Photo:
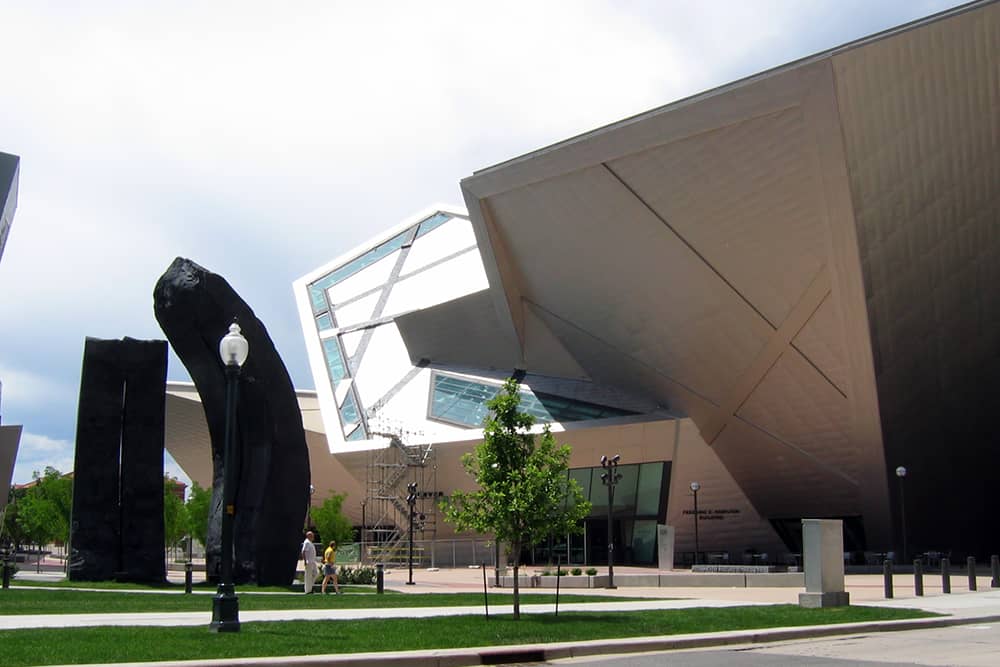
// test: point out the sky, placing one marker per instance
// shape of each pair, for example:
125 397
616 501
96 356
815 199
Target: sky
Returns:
262 140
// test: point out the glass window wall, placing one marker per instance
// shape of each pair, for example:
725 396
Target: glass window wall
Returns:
462 401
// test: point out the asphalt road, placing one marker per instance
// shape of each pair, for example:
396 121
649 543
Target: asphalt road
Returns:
962 646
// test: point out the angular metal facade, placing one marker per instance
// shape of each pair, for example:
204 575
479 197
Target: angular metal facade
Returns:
805 262
9 176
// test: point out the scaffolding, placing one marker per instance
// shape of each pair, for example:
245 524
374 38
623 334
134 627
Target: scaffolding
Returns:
407 458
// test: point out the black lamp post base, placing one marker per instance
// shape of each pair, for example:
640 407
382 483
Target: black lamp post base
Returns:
225 610
410 583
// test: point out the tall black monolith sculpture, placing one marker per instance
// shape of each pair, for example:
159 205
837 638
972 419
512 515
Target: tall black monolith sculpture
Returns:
116 530
195 308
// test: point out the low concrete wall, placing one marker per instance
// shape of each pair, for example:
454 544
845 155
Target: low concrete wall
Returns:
704 579
777 580
664 580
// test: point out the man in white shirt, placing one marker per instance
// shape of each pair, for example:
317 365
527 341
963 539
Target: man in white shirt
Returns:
309 560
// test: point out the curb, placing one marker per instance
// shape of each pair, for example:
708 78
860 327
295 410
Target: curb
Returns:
498 655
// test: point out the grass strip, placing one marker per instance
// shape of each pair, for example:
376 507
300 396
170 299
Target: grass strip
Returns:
23 601
166 586
112 644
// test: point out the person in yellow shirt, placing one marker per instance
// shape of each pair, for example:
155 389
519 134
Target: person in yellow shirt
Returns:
330 567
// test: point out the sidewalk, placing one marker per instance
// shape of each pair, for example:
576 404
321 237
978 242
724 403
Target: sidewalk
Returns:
962 606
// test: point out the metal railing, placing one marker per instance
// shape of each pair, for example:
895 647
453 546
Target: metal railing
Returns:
431 553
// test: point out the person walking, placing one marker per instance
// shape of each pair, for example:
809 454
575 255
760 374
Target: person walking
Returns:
309 561
330 567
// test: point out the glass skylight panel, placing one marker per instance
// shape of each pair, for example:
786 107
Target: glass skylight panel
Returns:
356 434
318 298
463 401
324 322
432 223
317 289
334 360
446 241
349 410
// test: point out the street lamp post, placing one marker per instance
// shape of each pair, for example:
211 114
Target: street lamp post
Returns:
233 349
695 486
411 500
901 474
610 477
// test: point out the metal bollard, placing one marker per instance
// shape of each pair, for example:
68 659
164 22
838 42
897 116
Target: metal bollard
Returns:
887 576
379 578
918 577
995 570
970 564
945 575
188 567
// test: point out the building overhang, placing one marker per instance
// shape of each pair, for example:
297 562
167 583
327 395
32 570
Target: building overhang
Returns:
706 254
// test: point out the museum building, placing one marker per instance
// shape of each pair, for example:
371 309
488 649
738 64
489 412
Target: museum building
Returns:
782 289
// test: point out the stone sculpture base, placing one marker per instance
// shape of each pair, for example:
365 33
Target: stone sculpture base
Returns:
817 600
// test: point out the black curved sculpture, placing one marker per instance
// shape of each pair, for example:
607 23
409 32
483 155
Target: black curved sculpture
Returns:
195 308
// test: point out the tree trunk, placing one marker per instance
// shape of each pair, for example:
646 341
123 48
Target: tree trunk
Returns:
517 593
516 552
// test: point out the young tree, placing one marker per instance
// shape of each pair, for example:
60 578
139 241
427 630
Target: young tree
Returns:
330 521
39 519
198 504
175 515
56 489
525 492
13 533
43 512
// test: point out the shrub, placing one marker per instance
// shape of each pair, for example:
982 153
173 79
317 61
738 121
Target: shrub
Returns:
591 571
356 575
546 572
576 571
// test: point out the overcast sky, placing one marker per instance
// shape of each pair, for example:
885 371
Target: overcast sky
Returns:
264 139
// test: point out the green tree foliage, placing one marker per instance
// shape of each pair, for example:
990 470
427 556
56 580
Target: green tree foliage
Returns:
525 493
175 514
43 512
12 531
198 503
330 521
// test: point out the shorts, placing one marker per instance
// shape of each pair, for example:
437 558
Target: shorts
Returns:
329 569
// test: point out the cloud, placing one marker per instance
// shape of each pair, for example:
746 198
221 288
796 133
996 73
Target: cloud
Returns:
38 451
25 389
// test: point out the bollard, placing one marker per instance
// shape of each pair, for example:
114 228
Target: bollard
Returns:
379 578
918 577
187 577
887 577
995 570
970 564
5 564
945 575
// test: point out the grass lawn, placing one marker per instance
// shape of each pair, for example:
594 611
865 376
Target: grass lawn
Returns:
112 644
28 601
167 586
